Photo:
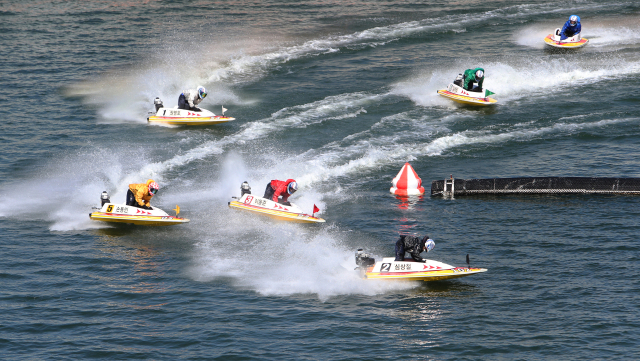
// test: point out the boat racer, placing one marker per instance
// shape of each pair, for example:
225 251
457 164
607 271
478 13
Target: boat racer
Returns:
469 77
140 194
571 27
277 188
414 246
189 99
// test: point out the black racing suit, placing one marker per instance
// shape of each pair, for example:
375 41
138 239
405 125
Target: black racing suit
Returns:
411 244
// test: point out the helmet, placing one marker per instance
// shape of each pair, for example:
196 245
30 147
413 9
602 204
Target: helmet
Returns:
292 187
479 74
573 20
202 92
153 188
429 244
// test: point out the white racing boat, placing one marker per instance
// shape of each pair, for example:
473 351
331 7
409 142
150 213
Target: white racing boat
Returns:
122 213
471 97
409 270
175 116
574 42
269 208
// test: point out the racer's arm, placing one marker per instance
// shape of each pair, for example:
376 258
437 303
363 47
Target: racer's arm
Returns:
564 28
416 257
139 199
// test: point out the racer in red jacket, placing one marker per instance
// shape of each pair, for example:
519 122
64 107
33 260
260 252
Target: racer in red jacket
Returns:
277 188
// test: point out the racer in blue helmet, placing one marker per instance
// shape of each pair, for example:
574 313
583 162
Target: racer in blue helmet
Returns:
571 27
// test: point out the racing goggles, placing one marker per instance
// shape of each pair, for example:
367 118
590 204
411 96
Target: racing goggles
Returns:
153 190
203 95
573 23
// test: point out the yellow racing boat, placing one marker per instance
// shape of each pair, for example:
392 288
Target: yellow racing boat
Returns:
122 213
460 95
269 208
574 42
410 270
175 116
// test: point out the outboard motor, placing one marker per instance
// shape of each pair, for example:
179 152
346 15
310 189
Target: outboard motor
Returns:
363 260
158 103
458 80
104 198
244 188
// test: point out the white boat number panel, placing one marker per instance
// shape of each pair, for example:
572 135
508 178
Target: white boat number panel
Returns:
174 112
118 209
257 201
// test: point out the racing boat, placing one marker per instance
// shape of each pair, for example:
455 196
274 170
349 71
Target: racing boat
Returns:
122 213
471 97
269 208
410 270
574 42
175 116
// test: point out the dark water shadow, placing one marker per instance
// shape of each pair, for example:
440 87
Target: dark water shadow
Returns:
486 110
549 50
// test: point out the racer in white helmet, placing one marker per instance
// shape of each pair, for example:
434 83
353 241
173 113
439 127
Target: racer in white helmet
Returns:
470 77
189 99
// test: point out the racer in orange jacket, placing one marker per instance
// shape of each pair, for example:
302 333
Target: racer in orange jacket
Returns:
140 194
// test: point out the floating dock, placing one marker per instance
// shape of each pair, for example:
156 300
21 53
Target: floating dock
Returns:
536 185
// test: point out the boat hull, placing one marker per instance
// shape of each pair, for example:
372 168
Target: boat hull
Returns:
175 116
553 41
273 210
460 95
409 270
118 213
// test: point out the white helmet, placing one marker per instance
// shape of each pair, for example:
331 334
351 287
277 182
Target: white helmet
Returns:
292 187
429 245
479 74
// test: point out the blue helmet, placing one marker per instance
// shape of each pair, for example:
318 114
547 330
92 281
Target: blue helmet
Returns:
292 187
574 20
202 92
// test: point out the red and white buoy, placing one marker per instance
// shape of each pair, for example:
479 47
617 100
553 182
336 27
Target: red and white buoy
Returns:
407 182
